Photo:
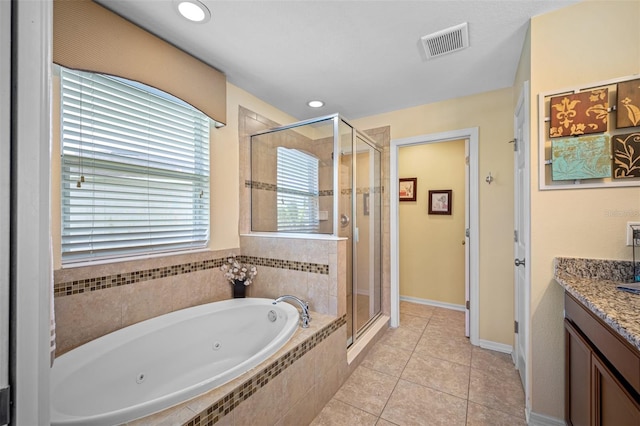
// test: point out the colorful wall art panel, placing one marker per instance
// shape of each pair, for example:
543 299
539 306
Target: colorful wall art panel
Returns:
579 114
584 157
628 105
626 156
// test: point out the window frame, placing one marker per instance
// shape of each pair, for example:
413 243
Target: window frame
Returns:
194 169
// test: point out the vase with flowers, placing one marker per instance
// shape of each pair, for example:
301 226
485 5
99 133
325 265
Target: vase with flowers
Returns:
239 274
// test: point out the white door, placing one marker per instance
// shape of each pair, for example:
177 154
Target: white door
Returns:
521 234
465 242
5 138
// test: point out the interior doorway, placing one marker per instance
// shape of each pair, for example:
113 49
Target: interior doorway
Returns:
471 237
432 223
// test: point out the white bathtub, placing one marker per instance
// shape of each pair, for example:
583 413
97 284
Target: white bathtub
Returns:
152 365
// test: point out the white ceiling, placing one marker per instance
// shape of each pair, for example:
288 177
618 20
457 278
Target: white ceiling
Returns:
360 57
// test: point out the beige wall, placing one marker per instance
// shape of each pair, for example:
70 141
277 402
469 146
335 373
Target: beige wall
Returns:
225 180
431 250
585 43
492 113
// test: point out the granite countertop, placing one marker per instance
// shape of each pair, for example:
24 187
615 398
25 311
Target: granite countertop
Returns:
593 283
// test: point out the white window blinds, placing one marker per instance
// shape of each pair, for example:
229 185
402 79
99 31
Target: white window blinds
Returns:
297 181
135 169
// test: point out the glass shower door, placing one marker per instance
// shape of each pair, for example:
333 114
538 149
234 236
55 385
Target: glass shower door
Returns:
367 288
345 213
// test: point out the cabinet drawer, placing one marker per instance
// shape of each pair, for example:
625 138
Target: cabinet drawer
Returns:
613 347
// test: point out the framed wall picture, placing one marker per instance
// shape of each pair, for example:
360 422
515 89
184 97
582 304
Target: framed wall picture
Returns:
407 189
440 201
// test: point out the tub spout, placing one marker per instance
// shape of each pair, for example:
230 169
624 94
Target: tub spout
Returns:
304 314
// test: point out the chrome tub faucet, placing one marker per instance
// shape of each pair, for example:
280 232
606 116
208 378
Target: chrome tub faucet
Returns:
304 314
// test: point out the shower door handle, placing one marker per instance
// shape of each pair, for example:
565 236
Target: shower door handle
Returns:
344 220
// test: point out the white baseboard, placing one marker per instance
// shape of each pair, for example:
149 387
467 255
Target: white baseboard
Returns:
435 303
536 419
494 346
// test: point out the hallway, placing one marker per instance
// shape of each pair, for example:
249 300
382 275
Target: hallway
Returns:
427 373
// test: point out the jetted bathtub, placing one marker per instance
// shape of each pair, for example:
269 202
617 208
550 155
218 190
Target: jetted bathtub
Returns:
152 365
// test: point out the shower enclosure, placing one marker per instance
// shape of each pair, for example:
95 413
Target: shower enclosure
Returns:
323 176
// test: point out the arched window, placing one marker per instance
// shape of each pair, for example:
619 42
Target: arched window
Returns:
135 169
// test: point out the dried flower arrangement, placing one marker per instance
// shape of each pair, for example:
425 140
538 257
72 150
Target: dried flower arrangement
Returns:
238 271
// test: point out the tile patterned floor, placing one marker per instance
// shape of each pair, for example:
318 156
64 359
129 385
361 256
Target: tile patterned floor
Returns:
427 373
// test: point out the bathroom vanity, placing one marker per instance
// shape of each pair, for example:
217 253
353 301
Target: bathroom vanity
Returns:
602 343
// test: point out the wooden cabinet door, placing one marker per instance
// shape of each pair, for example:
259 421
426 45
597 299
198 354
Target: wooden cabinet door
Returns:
613 405
577 377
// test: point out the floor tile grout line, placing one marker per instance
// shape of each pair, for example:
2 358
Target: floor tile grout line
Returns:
403 369
466 414
432 319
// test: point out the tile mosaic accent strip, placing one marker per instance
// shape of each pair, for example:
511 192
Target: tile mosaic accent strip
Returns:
229 402
272 187
99 283
364 190
287 264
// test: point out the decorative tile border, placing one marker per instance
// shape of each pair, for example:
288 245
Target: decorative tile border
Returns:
116 280
272 187
230 401
363 190
292 265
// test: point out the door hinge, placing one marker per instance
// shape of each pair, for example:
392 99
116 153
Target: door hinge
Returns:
466 160
468 305
467 232
515 327
514 141
515 235
5 406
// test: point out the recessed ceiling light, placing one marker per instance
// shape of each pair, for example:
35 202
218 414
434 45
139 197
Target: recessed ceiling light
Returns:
193 10
315 104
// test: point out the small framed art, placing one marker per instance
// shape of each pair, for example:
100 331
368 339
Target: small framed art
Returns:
407 189
440 201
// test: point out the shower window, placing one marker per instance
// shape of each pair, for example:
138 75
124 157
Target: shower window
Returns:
297 193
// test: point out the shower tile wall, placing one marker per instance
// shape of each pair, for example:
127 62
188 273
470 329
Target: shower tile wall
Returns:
325 292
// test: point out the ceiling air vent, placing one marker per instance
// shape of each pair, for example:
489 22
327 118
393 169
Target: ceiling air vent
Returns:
446 41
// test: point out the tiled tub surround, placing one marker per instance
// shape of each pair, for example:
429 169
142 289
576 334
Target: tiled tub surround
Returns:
593 282
324 289
93 301
290 387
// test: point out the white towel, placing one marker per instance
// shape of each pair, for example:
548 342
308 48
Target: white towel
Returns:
52 314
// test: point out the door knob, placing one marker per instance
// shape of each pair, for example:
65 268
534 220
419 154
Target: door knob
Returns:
519 262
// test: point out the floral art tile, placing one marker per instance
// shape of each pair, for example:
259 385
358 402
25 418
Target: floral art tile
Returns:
626 156
579 114
628 105
585 157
